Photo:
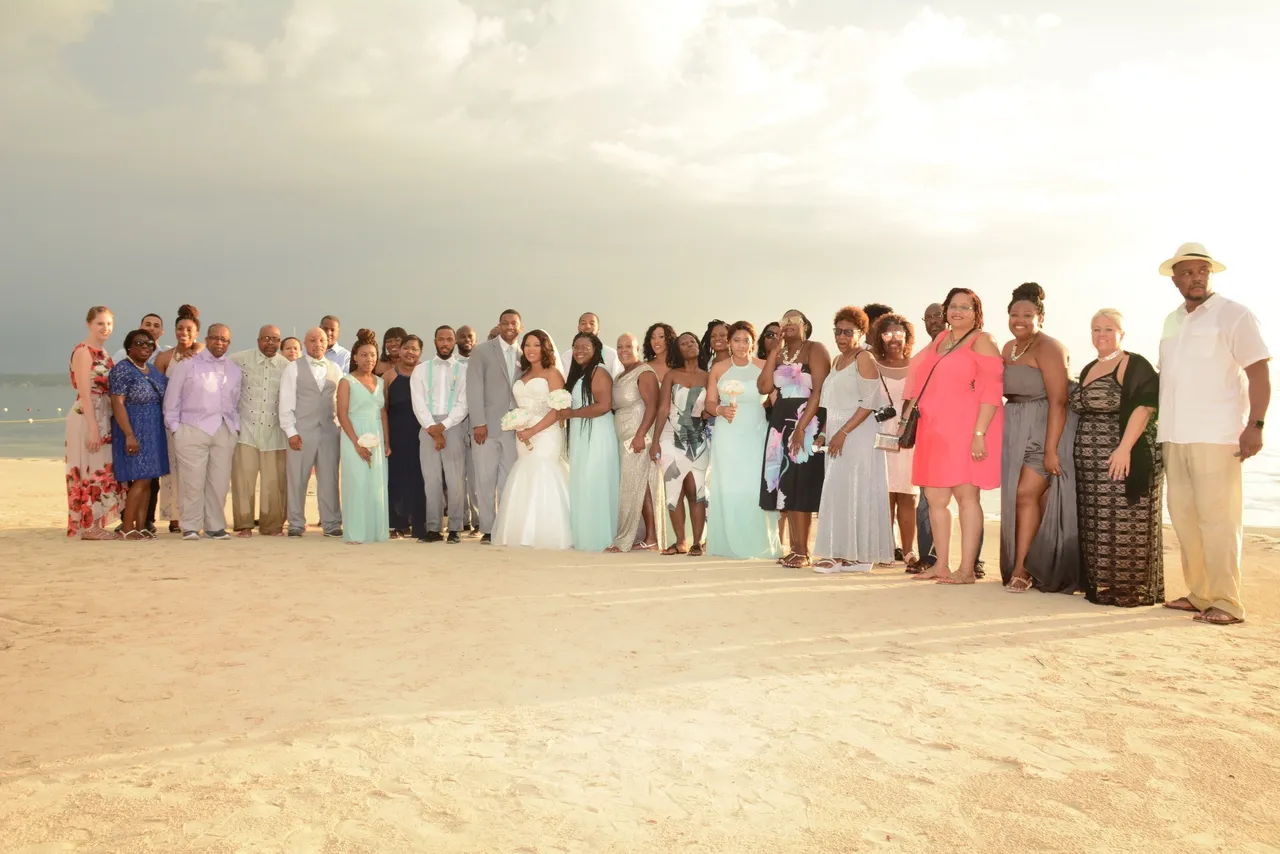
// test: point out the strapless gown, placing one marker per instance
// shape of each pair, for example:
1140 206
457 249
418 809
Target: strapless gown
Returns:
534 510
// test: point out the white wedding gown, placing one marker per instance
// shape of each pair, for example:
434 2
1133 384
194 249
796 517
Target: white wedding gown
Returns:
534 510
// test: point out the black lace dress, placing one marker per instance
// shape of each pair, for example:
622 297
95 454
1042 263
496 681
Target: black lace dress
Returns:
407 497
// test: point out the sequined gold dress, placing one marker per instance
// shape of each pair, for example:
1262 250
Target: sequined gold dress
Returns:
638 472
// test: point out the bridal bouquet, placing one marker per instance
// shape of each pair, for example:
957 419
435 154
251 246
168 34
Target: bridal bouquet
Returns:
559 399
732 389
369 441
518 419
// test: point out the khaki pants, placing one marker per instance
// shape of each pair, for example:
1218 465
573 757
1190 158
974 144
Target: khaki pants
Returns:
1206 506
204 463
247 466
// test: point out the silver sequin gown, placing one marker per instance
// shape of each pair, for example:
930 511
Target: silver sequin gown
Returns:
637 470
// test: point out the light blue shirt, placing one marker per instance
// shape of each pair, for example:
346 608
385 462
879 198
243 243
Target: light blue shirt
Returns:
340 356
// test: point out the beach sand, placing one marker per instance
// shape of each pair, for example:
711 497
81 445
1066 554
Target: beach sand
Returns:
308 696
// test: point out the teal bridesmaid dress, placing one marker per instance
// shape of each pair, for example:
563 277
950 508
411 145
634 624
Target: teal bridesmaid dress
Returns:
736 526
593 479
364 486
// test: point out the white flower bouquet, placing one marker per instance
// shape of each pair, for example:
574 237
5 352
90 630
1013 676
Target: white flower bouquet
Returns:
368 441
518 419
559 399
732 389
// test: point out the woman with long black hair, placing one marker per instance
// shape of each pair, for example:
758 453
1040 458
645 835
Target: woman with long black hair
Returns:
593 448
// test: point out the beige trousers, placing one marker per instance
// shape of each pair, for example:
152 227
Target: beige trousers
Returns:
247 465
204 465
1206 506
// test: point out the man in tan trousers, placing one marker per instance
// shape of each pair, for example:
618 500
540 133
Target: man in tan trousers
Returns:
1215 386
259 451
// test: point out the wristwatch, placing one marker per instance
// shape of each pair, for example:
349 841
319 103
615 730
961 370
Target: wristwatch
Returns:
979 432
1259 424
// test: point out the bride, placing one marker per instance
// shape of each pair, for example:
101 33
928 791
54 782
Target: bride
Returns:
534 510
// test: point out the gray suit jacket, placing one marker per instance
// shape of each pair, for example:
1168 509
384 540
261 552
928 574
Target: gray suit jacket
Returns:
489 394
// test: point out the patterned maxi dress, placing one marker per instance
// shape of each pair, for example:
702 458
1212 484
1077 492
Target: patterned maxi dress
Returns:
685 449
94 498
792 483
1120 534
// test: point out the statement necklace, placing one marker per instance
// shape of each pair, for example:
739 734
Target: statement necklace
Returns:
1113 356
784 355
1014 355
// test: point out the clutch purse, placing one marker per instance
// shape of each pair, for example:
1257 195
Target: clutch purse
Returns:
887 442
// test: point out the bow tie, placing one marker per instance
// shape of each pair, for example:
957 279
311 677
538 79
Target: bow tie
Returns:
319 363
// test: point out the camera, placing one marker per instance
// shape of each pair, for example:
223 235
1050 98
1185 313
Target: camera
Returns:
884 413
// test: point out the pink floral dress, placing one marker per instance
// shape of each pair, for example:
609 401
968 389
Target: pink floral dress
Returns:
94 498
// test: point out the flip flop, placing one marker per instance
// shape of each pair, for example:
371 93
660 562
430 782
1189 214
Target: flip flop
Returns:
673 550
1019 585
1216 617
1182 603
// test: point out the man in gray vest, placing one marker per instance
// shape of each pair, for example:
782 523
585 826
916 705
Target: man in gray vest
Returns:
438 389
492 370
309 417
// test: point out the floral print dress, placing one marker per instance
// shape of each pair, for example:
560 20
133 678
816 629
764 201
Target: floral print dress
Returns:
94 498
792 482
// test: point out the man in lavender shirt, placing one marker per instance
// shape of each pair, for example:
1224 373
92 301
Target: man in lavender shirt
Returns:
201 410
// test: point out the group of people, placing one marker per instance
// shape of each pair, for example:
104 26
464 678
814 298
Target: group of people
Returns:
742 438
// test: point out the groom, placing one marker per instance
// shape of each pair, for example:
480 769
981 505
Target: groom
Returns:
493 368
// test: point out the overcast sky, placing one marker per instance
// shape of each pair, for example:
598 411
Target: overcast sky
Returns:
417 162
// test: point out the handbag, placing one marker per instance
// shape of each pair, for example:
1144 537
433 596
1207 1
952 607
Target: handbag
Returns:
907 439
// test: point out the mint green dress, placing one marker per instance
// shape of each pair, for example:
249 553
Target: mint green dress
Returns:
364 486
593 479
736 526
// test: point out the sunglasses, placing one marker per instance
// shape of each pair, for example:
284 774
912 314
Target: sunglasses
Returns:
844 333
897 333
144 344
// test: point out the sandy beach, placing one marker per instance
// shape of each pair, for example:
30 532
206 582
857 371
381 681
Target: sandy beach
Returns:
307 696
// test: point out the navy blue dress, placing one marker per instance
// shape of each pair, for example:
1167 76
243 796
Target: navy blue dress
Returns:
144 401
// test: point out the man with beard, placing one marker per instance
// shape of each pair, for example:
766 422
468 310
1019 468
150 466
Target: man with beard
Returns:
260 451
590 322
493 368
438 387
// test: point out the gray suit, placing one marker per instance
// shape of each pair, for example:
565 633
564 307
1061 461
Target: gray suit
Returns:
489 397
316 420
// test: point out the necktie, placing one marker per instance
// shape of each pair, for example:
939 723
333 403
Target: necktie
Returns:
511 362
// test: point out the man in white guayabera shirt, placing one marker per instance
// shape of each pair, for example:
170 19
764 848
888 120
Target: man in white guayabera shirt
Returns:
1215 386
309 417
438 388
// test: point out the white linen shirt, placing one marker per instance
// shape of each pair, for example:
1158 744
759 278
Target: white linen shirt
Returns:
441 375
289 390
1204 393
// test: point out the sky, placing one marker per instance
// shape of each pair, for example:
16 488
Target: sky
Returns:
419 162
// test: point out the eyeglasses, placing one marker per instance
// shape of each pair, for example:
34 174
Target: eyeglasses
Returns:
963 309
145 343
844 333
897 333
275 338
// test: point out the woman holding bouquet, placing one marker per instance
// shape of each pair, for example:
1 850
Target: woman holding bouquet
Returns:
736 526
534 510
593 448
793 473
362 415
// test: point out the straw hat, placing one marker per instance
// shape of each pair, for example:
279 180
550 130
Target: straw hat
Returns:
1191 252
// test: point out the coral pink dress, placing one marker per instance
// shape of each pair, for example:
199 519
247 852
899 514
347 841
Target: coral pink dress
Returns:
962 382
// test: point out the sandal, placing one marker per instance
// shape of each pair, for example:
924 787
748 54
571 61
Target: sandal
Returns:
782 561
98 534
613 550
135 536
798 561
696 550
175 528
1182 603
1019 585
644 547
1216 617
673 550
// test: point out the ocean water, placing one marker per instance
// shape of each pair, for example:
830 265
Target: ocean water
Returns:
45 400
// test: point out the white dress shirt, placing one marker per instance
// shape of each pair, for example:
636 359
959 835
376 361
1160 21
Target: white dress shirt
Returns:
289 390
1204 393
431 385
511 353
611 363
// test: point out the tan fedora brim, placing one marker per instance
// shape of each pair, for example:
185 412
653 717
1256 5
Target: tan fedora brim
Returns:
1166 269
